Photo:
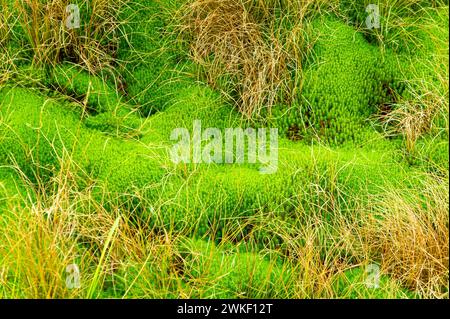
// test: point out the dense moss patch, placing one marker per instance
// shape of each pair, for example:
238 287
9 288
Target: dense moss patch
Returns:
344 83
202 199
13 191
151 65
221 273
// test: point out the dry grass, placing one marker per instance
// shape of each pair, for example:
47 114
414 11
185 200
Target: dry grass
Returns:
423 110
5 17
406 232
243 52
37 243
398 23
411 235
66 226
254 50
60 223
412 121
5 34
92 45
229 45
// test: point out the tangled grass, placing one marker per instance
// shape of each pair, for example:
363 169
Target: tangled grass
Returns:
93 45
247 50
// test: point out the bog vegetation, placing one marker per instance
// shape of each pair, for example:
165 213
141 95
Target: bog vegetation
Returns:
86 177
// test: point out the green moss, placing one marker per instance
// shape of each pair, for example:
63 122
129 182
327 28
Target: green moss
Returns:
135 280
347 80
103 106
433 153
13 191
151 71
218 273
357 284
219 200
342 88
409 36
40 133
194 102
192 199
84 87
120 123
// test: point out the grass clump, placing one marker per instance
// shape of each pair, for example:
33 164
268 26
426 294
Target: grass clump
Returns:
410 234
401 22
92 45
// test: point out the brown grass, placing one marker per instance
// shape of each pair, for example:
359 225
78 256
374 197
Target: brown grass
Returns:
242 52
228 44
92 45
405 231
423 110
60 225
410 232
